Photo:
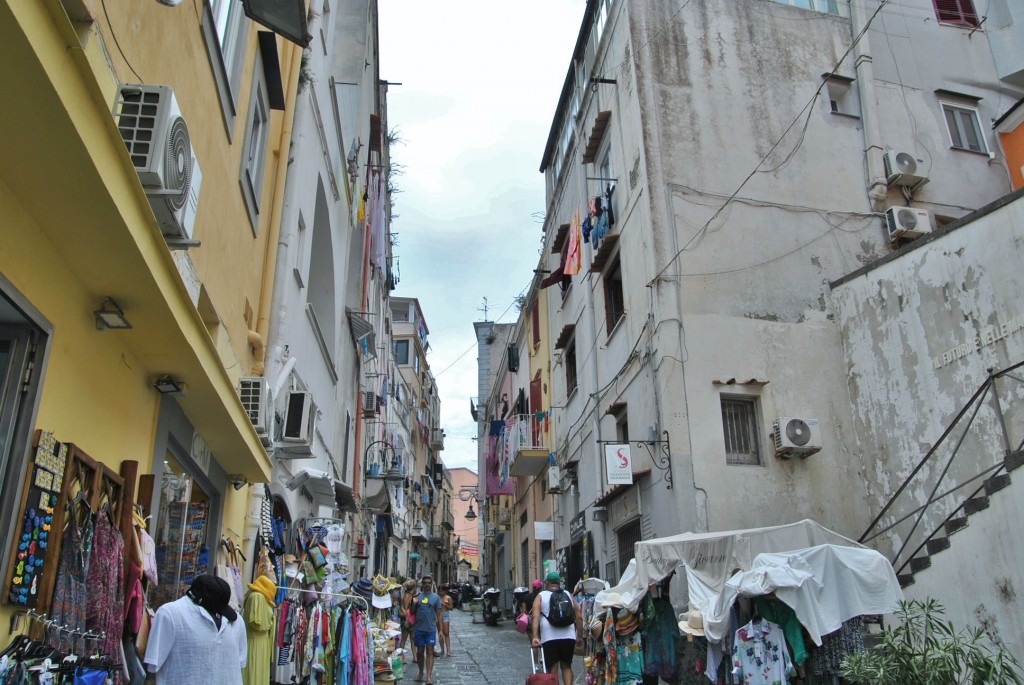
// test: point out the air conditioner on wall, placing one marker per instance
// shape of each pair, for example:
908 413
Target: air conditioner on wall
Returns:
795 437
254 393
160 148
554 479
907 222
902 169
299 425
370 406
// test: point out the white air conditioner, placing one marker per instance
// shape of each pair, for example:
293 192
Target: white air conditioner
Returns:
370 404
907 222
554 479
795 437
254 392
158 143
299 423
902 169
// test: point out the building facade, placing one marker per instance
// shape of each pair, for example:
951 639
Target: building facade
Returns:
711 170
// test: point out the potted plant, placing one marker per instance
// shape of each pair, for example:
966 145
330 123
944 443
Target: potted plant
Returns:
926 649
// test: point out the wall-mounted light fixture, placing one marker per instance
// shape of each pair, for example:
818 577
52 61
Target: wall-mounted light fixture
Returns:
167 385
238 482
467 493
111 316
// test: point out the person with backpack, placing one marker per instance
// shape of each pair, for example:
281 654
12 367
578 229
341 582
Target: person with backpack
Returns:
557 626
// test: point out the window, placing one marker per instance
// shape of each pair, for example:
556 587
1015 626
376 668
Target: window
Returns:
627 536
621 425
957 12
964 127
570 368
416 363
224 33
254 155
740 425
842 96
299 264
614 304
401 351
826 6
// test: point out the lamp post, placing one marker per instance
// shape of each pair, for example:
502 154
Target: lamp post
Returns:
390 459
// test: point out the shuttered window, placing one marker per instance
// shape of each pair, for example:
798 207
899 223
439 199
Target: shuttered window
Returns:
628 535
956 12
739 423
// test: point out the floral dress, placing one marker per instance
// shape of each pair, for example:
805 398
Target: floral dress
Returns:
760 655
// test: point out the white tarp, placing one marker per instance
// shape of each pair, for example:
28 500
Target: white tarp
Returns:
826 578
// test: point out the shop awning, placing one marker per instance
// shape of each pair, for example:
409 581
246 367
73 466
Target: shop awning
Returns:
343 497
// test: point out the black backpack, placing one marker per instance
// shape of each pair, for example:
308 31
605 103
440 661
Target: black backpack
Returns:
561 612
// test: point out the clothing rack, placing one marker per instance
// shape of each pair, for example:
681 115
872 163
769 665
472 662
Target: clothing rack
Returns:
62 629
358 598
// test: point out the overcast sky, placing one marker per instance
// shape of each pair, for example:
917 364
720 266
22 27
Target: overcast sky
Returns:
480 83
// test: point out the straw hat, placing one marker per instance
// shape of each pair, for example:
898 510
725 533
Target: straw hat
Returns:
611 600
692 622
626 622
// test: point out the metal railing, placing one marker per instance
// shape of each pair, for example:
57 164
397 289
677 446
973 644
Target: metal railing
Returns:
971 450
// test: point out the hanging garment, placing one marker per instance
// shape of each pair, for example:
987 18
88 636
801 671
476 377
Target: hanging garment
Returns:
836 646
105 581
630 653
781 613
70 593
573 258
660 633
611 664
258 613
760 655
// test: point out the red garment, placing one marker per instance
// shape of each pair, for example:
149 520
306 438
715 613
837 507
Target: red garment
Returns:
135 599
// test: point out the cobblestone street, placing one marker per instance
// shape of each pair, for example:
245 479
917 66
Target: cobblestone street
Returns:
482 654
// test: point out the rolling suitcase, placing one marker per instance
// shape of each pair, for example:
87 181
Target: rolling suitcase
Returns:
541 677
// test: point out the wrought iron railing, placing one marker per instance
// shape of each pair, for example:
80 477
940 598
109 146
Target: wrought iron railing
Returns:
972 450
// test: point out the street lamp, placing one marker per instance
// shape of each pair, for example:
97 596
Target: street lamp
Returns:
394 473
467 493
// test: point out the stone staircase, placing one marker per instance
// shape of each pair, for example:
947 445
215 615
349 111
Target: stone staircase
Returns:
940 539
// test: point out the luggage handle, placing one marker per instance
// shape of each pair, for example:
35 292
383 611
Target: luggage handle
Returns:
533 659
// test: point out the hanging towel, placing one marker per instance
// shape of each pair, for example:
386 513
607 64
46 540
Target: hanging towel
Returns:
573 261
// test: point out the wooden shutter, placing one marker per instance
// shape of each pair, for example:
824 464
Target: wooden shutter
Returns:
956 12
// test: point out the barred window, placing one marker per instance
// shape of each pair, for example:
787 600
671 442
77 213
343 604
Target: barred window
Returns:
740 426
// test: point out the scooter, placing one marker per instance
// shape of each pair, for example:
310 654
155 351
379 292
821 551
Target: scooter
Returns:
492 612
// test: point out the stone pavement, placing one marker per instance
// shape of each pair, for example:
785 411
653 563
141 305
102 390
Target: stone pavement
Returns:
483 655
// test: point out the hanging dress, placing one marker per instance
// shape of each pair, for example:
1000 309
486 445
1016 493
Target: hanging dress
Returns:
105 582
258 613
70 592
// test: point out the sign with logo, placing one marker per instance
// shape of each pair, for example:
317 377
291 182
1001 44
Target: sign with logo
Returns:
578 527
619 464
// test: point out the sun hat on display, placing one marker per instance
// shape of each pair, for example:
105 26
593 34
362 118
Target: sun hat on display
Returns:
363 587
692 622
611 600
381 597
626 622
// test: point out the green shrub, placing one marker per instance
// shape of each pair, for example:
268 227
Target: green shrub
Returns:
925 649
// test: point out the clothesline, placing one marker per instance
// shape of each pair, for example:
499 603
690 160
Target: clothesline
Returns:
289 588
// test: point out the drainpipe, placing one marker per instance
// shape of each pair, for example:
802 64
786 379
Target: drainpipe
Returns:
863 67
257 338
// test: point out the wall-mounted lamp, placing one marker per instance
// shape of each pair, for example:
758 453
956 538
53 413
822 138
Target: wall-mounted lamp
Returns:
167 385
470 515
111 316
239 482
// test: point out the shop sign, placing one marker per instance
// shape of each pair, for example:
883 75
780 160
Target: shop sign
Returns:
578 527
200 453
619 464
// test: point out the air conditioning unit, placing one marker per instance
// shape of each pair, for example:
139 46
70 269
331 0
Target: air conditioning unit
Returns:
901 169
795 437
554 479
370 405
299 424
158 143
907 222
254 393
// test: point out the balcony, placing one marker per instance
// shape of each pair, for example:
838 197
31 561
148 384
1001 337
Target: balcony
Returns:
438 536
449 520
527 435
437 439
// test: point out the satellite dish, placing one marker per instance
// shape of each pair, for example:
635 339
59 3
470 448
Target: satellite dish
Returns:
798 432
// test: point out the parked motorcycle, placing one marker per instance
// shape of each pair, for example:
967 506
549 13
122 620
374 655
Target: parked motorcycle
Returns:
492 610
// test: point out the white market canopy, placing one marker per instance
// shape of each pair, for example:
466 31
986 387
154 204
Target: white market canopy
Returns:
824 577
